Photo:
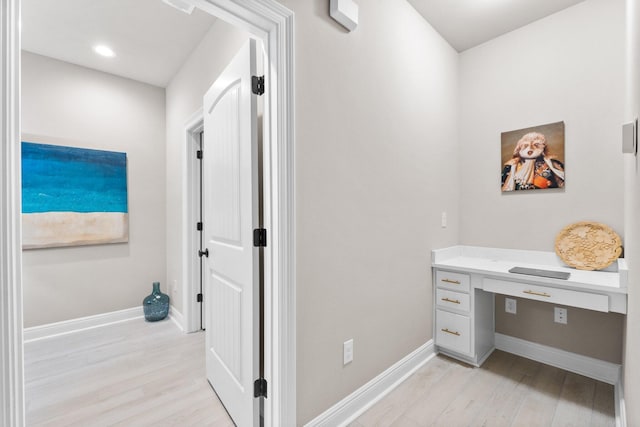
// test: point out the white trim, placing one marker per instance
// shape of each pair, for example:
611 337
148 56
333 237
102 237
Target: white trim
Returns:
589 367
273 23
50 330
621 410
11 346
354 405
177 318
190 208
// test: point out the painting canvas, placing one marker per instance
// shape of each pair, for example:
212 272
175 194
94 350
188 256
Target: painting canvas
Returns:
533 158
73 196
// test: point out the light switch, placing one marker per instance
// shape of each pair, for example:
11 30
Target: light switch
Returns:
630 137
347 352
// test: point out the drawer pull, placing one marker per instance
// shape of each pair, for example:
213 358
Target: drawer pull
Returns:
455 282
455 301
540 294
450 332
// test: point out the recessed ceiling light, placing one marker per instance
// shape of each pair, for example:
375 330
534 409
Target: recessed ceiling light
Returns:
104 51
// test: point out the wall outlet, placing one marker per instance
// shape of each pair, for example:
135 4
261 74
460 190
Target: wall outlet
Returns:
443 220
560 315
510 305
347 352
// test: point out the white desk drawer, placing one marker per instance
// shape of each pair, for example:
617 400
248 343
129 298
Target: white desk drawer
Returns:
455 281
453 331
567 297
451 299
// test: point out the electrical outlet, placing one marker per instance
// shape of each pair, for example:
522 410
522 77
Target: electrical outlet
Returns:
510 305
347 352
443 220
560 315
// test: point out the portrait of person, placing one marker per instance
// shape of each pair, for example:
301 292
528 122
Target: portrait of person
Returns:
533 158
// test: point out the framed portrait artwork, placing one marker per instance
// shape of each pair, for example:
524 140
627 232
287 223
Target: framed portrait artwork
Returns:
533 158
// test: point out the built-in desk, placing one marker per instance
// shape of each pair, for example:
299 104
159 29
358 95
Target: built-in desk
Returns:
466 278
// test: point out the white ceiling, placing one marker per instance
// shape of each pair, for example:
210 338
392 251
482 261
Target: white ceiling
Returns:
150 38
468 23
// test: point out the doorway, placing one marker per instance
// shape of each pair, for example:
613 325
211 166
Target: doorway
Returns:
266 20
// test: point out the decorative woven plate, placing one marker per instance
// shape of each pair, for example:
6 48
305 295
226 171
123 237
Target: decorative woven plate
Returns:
588 245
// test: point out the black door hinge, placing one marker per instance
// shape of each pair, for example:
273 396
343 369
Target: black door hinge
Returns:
260 237
199 154
199 226
204 253
257 85
199 298
260 388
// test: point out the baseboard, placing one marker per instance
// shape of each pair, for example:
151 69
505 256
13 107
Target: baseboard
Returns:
354 405
589 367
621 410
177 318
51 330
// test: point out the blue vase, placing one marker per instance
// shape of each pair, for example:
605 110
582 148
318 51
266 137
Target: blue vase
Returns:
156 305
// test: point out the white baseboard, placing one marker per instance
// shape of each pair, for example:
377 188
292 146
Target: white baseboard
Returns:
621 410
589 367
50 330
352 406
177 318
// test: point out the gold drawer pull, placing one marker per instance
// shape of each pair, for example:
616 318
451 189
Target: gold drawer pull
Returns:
540 294
450 332
455 282
455 301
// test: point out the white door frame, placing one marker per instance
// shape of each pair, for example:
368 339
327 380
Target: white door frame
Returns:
266 20
190 213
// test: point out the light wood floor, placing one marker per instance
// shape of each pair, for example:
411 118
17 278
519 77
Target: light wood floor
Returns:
142 374
507 391
129 374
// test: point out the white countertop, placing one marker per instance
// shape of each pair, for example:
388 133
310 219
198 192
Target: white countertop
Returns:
498 262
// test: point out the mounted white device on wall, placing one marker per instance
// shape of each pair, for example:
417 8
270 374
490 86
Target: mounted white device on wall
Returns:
345 12
630 137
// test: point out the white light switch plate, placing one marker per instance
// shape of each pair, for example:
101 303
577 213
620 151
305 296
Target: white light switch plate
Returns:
347 352
629 138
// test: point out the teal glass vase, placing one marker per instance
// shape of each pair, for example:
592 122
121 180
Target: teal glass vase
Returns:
156 305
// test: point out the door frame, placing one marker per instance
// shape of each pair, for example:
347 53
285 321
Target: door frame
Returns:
190 214
266 20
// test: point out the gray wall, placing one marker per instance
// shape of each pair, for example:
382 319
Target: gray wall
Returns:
587 332
632 227
184 98
567 67
376 164
66 104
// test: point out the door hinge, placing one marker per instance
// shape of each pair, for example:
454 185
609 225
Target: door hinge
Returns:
199 154
260 388
199 298
204 253
260 237
199 226
257 85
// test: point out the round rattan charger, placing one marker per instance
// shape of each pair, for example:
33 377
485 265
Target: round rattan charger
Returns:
588 245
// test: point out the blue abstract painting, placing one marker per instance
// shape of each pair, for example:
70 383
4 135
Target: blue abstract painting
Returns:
73 196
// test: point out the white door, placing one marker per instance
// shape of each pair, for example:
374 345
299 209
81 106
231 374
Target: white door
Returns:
230 191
